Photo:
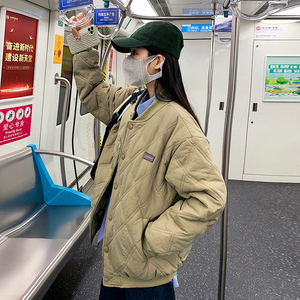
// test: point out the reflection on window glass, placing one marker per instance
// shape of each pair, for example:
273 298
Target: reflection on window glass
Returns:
66 72
125 22
62 92
82 110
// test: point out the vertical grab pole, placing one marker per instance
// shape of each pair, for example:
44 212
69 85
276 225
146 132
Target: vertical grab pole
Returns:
226 149
211 68
96 121
63 125
102 64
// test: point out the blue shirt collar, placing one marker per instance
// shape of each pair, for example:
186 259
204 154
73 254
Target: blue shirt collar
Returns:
144 104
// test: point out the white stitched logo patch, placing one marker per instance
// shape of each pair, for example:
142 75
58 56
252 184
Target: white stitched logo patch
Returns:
148 157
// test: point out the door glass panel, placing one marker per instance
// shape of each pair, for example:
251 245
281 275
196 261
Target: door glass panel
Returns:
83 110
66 72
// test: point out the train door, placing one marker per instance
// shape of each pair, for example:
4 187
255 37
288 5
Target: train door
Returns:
194 64
23 38
79 126
273 143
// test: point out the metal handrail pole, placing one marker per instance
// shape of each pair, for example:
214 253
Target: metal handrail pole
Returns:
273 7
63 124
66 155
102 64
107 50
128 5
226 149
118 4
80 176
105 56
226 4
96 121
169 18
283 17
97 137
210 77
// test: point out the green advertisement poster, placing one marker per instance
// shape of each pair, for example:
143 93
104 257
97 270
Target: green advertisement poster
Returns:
282 81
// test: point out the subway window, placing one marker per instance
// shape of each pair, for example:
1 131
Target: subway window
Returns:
66 72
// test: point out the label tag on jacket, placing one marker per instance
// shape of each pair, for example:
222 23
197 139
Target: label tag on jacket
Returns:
148 157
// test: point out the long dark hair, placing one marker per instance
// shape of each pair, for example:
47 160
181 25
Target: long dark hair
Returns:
171 81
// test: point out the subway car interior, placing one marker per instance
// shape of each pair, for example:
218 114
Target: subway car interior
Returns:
241 70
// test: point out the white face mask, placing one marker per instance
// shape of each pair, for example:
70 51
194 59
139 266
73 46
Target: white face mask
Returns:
136 73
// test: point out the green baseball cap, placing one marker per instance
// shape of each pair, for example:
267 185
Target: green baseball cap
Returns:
162 35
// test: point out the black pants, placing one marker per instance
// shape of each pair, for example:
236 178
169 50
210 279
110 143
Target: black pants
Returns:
161 292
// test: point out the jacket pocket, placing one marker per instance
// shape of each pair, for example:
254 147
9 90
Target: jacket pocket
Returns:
161 266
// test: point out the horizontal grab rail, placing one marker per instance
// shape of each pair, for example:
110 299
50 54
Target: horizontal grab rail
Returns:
66 155
274 6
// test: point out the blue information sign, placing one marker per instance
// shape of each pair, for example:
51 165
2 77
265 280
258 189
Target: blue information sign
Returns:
196 28
106 16
65 4
198 12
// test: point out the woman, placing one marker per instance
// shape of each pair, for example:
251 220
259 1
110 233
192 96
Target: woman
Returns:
156 177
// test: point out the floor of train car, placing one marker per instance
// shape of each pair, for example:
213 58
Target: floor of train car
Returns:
263 252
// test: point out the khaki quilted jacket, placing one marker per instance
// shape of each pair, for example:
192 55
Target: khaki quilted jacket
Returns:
167 190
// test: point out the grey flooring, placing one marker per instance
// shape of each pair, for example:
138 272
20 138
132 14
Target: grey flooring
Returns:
263 252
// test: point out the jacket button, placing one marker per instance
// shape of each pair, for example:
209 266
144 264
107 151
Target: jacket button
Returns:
115 186
106 249
123 156
130 126
106 279
110 217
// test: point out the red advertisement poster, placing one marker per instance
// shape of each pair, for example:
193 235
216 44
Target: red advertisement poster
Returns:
15 123
18 56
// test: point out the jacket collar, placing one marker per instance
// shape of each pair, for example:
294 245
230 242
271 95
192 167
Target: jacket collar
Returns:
153 108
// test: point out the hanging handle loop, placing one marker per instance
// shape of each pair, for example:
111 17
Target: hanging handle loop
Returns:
85 21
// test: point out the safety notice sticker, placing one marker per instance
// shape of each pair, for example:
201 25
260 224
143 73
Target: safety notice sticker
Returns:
268 32
15 123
